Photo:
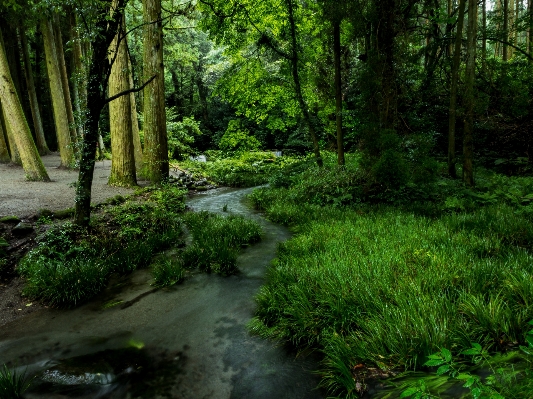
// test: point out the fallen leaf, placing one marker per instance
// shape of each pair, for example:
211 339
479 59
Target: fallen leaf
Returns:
29 304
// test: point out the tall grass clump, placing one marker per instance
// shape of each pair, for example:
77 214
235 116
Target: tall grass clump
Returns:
387 286
217 240
12 384
167 272
70 265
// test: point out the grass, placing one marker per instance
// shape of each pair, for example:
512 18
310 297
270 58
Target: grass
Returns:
387 286
248 169
71 265
217 240
167 272
12 385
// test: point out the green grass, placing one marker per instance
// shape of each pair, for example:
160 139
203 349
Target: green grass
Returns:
388 286
217 241
12 385
167 272
71 265
248 169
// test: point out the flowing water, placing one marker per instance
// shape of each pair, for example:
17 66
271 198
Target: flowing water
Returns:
187 342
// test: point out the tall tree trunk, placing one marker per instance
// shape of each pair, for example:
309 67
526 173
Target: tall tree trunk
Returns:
123 163
10 136
58 98
484 41
449 28
338 89
505 29
31 161
64 79
530 28
34 103
453 90
106 28
294 60
155 129
79 81
468 141
4 152
137 146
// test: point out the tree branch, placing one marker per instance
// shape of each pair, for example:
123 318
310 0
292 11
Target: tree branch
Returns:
129 91
495 39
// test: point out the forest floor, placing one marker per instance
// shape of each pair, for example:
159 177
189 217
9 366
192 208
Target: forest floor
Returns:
24 199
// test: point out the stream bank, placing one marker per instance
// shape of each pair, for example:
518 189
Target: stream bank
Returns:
189 341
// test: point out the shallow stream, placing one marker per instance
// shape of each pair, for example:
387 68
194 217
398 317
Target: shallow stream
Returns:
186 342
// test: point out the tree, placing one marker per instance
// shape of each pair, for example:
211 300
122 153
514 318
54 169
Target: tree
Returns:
453 90
468 141
58 97
123 165
154 127
31 162
4 153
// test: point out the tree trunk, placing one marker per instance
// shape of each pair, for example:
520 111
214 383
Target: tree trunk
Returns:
505 29
79 81
98 74
386 10
453 90
34 103
64 79
338 90
155 130
468 141
137 146
31 162
484 41
4 152
297 85
10 137
530 28
58 98
123 163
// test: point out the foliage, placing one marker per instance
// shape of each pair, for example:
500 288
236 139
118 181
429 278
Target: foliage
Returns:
217 240
12 384
237 139
181 135
167 272
246 169
70 264
356 281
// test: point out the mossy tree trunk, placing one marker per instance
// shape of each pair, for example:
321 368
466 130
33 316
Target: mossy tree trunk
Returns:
4 152
468 141
31 161
155 131
453 90
34 103
123 164
58 98
11 145
64 79
137 146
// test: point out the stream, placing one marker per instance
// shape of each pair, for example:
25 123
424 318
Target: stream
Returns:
189 341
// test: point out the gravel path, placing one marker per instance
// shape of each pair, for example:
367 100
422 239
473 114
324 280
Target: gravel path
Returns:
23 198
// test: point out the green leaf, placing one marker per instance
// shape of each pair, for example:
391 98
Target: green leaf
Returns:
409 392
446 354
477 346
443 369
476 393
434 362
471 351
435 356
471 381
463 376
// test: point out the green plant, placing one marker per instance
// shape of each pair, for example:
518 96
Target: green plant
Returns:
13 385
237 138
167 272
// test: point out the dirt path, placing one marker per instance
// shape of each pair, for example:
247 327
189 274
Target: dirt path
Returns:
23 198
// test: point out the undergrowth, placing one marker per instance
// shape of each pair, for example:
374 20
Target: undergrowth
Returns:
12 384
388 282
70 264
217 240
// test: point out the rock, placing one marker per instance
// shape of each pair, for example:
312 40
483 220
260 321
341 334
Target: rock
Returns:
10 219
201 183
22 229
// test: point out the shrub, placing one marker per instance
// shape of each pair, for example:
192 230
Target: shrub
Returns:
167 272
238 139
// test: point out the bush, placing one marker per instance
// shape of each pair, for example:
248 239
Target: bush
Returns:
238 139
167 272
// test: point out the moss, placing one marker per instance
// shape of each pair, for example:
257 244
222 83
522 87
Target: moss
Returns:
9 219
64 214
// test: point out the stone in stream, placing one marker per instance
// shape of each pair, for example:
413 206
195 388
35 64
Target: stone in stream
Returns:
22 229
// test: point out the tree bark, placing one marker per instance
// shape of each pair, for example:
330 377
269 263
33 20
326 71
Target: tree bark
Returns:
64 79
123 162
4 152
338 90
58 98
294 60
137 146
468 141
79 81
31 162
9 135
530 29
99 71
155 131
34 103
505 29
453 90
484 41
